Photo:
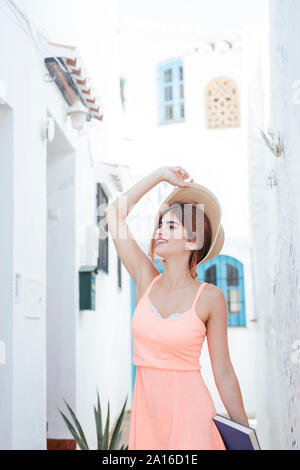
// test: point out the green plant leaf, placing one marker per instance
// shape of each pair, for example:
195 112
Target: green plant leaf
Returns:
98 419
81 433
73 432
102 439
113 443
117 441
124 448
106 431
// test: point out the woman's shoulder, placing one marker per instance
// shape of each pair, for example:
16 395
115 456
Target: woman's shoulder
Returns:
214 297
211 296
211 292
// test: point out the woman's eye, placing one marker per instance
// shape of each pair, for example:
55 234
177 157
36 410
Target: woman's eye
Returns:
171 226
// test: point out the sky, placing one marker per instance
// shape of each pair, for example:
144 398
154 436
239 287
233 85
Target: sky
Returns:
206 14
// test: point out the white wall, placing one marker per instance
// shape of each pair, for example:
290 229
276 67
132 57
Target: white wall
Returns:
62 302
275 233
85 349
6 273
102 338
26 345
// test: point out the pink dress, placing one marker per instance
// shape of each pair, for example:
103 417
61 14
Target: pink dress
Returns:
172 407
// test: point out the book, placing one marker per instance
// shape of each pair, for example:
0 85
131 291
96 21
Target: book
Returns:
236 436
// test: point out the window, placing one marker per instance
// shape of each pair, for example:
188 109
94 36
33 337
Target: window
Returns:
171 92
227 273
222 104
211 275
102 203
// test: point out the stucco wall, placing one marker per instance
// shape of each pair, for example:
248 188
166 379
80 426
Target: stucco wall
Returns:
285 117
6 273
26 342
274 215
92 348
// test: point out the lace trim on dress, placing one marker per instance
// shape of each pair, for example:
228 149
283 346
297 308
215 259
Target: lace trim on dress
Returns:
156 312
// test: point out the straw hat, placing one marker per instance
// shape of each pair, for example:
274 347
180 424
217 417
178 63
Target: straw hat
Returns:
198 194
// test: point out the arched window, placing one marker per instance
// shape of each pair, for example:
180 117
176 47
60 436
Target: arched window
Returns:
222 104
170 83
227 273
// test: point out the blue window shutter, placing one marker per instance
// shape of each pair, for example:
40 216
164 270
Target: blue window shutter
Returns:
227 273
169 81
234 274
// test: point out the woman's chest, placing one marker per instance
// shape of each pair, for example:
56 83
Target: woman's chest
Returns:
181 332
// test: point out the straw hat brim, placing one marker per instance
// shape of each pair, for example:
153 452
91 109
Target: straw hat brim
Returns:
198 194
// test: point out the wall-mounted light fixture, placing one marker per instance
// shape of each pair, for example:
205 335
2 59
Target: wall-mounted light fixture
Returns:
79 115
273 142
48 129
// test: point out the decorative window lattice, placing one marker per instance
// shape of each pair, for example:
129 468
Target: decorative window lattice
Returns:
222 104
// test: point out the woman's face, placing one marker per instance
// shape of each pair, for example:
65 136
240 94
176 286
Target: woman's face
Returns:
170 236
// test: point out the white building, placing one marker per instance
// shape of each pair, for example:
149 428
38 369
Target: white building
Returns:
50 349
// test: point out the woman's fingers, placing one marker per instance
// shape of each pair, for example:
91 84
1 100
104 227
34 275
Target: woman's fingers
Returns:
182 174
187 183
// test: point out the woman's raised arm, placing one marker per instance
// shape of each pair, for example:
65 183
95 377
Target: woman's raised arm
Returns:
135 260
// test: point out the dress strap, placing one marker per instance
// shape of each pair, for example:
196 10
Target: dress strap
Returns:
151 284
200 290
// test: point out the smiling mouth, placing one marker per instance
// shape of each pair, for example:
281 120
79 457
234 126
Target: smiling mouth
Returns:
160 242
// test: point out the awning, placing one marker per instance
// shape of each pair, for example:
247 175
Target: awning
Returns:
67 69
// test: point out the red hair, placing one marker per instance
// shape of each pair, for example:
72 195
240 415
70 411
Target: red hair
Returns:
188 219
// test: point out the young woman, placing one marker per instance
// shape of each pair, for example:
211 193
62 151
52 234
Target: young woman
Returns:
172 407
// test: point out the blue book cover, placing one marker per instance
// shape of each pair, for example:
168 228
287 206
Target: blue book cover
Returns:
236 436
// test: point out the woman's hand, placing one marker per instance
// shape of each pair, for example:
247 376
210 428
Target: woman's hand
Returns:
175 175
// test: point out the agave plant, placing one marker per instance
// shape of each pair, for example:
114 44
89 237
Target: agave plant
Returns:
102 438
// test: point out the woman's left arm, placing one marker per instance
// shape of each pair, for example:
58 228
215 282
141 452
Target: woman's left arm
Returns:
217 341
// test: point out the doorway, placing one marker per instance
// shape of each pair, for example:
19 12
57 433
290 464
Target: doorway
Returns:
6 275
61 284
